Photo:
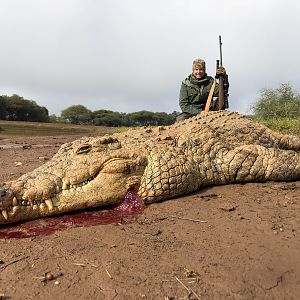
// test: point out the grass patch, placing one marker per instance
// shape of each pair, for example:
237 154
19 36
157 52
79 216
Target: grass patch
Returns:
18 128
283 125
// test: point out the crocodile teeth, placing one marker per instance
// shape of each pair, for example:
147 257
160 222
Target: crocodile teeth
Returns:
54 201
4 214
15 201
42 206
49 203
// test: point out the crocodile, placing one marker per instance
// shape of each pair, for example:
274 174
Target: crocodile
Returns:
159 163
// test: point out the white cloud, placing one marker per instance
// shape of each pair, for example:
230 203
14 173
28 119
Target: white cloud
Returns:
130 55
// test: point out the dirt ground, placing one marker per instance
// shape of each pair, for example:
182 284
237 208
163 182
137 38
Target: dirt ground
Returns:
248 248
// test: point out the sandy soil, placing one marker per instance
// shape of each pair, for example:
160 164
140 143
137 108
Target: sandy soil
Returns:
248 248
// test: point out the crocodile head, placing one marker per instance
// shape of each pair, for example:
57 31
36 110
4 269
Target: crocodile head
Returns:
89 172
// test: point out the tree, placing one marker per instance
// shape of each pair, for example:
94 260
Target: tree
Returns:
283 102
107 118
37 113
16 108
162 118
77 114
3 108
139 118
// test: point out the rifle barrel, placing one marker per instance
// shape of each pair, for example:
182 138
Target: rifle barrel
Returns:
221 81
220 44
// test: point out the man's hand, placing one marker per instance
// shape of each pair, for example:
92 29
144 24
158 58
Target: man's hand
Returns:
221 72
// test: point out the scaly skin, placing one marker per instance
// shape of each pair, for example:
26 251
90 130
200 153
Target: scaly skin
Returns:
162 162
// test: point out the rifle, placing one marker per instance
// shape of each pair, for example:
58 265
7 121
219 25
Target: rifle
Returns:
221 81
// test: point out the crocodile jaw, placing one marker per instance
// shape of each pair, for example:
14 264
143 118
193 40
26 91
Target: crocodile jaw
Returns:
108 187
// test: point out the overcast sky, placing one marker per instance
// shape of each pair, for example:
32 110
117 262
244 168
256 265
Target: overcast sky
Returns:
131 55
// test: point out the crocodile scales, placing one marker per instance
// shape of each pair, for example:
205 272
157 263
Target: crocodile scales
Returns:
161 162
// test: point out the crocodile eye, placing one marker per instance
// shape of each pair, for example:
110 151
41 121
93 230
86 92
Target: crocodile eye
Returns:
84 149
3 194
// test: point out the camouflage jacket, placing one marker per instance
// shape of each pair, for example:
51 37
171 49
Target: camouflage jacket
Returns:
193 94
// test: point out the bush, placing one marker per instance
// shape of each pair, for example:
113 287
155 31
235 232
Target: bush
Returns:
284 125
279 103
278 109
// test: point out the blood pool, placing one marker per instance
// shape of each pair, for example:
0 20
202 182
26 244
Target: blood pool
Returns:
123 213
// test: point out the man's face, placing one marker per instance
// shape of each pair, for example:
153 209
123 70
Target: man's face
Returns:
198 72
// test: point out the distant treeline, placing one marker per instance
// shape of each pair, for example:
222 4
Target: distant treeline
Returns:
16 108
79 114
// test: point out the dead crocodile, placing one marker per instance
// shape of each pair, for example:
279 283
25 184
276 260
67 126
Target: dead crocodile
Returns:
162 162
